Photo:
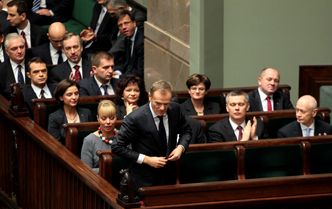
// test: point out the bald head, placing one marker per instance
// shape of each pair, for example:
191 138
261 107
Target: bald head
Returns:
56 32
306 110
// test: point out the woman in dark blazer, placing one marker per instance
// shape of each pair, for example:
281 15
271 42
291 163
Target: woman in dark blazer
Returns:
130 94
198 86
67 94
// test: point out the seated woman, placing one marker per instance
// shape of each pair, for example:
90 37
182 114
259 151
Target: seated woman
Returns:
198 86
130 94
103 137
67 94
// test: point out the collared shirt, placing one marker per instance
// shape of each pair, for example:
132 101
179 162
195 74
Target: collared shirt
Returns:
304 129
71 64
263 97
15 70
133 42
234 127
27 31
110 89
100 19
55 55
2 57
37 90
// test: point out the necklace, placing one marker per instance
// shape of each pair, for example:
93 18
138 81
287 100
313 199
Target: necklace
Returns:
107 140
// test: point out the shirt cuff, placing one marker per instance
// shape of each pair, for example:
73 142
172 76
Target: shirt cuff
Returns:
51 12
140 158
183 149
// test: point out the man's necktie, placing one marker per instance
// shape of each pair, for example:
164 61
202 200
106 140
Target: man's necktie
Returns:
60 60
77 73
269 104
35 5
162 132
42 94
25 39
239 128
105 87
20 77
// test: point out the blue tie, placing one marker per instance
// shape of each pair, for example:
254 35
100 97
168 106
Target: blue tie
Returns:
20 78
35 5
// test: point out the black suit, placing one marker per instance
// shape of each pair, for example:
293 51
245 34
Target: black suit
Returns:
222 131
7 78
62 10
63 71
89 87
29 94
3 20
293 129
281 101
139 130
210 107
58 118
43 51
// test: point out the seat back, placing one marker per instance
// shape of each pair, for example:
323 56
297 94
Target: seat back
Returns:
321 158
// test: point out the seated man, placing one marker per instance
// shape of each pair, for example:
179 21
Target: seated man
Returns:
37 72
236 126
306 124
267 97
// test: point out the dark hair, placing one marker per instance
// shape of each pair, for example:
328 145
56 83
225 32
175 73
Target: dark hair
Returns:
123 83
123 13
95 59
196 79
62 87
21 5
35 60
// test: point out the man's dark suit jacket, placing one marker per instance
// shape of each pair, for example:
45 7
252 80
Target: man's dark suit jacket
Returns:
89 86
210 107
38 35
29 94
222 131
139 130
43 51
62 71
58 118
293 129
62 10
3 20
281 101
7 78
107 31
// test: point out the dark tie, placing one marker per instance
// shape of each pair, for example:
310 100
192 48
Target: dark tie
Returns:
20 78
77 73
25 39
105 87
60 60
269 104
42 94
35 5
240 133
162 133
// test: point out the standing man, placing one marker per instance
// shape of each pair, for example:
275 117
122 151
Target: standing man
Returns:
37 72
102 82
52 52
306 124
129 49
76 67
152 131
236 127
267 97
13 69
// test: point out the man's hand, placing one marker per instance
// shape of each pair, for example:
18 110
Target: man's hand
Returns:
253 135
176 153
44 12
87 34
155 162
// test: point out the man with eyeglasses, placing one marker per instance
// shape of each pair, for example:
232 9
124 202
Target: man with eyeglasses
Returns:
236 127
51 53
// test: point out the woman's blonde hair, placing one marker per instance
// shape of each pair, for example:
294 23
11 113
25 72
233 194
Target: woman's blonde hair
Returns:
106 108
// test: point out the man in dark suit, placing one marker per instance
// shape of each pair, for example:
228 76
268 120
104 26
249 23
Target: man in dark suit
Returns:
102 82
236 126
49 11
19 23
306 124
267 97
76 67
3 54
37 72
4 24
102 31
128 50
52 52
13 69
152 131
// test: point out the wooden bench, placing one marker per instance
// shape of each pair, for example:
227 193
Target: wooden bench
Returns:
43 107
257 173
